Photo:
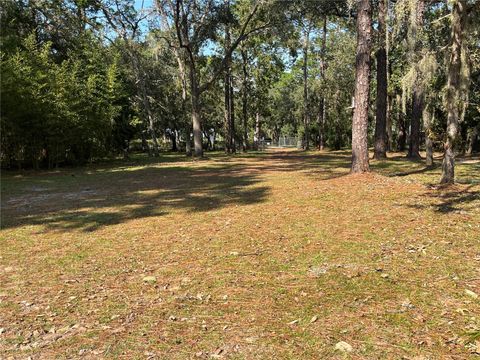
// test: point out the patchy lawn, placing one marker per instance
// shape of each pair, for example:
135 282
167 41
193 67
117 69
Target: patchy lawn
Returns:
258 256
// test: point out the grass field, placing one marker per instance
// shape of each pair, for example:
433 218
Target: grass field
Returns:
275 255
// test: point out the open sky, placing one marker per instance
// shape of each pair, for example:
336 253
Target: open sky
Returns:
146 3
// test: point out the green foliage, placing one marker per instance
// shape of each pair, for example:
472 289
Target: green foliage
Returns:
82 79
54 113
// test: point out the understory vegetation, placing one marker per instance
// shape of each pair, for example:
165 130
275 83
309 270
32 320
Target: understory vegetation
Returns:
90 79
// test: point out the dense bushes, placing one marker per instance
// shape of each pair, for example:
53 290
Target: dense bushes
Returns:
54 113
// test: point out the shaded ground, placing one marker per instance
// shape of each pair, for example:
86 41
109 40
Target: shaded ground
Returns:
274 255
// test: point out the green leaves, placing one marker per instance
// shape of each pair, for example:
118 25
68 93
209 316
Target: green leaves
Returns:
56 112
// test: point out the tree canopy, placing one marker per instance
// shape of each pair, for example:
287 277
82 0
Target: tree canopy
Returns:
87 79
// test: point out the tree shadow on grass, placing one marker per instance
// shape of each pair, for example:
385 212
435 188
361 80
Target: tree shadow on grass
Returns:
110 196
320 165
451 200
415 171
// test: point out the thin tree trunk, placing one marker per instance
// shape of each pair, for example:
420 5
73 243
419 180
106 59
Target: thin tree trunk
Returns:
256 137
362 88
471 139
229 123
453 90
209 142
322 108
389 124
245 100
401 129
418 91
227 113
380 151
389 71
306 117
232 116
140 80
145 147
427 122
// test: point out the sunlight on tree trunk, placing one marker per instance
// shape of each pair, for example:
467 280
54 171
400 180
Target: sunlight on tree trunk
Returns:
428 119
322 109
306 115
453 96
362 88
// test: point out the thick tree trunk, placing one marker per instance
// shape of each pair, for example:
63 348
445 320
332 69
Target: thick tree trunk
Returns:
362 88
380 151
417 111
306 115
183 83
197 126
453 90
173 138
427 122
188 140
196 112
322 108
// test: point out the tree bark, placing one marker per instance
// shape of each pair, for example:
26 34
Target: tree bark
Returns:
256 137
417 111
229 121
380 151
427 122
401 129
453 90
145 147
471 139
389 123
173 138
183 83
418 91
322 108
232 116
188 140
196 114
362 88
245 100
306 117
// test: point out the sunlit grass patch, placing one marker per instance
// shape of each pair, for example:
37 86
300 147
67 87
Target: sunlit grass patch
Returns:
245 252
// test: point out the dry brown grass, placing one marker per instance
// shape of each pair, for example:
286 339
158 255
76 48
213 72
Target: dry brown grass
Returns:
241 248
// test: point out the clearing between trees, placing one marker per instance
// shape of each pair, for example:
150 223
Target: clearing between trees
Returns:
280 254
